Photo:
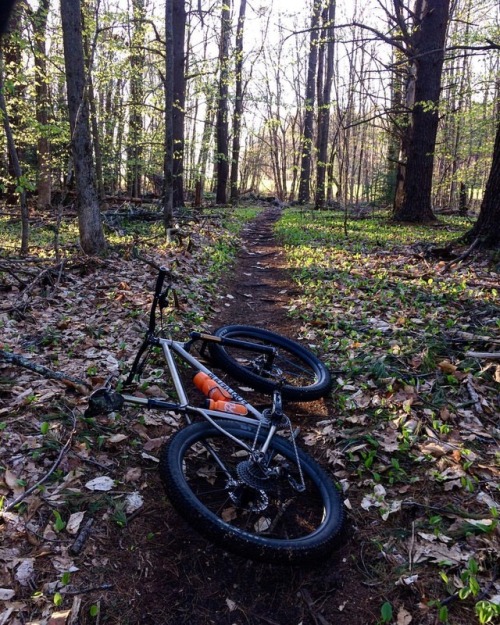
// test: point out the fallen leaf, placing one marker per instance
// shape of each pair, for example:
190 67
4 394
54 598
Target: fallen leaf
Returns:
133 474
102 483
74 522
133 502
59 618
117 438
231 605
26 571
6 594
447 367
404 617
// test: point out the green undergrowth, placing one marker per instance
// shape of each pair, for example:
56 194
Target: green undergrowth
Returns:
414 436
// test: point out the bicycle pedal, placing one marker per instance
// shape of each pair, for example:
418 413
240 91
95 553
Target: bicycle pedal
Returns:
103 401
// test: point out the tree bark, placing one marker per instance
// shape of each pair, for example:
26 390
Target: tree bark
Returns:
324 97
134 140
222 156
15 164
487 226
238 104
178 111
307 140
89 220
44 186
168 189
428 55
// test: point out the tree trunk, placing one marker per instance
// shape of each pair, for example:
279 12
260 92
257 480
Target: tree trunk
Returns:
16 167
178 111
44 186
12 60
238 104
89 220
428 49
222 156
96 140
168 189
205 141
307 140
487 225
324 103
134 140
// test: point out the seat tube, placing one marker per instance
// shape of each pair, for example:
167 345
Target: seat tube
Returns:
181 393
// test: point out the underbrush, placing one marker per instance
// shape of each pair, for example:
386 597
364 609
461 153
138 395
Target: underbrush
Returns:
415 435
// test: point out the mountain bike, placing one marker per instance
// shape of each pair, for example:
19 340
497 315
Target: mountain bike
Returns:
235 471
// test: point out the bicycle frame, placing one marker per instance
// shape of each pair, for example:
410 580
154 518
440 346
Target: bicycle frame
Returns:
183 406
271 418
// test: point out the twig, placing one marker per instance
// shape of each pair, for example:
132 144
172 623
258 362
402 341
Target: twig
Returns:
473 395
82 591
82 537
484 355
62 453
317 616
69 380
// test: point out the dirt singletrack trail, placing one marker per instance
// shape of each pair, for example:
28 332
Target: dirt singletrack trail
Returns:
168 575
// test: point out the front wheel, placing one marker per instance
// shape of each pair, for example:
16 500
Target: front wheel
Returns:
303 376
259 510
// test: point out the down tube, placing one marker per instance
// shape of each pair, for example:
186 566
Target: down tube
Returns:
179 349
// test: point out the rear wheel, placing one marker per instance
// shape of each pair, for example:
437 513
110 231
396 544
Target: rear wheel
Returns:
254 507
305 377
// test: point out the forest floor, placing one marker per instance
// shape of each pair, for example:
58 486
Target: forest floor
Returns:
421 525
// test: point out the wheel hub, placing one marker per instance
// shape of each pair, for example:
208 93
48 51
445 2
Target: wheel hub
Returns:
255 476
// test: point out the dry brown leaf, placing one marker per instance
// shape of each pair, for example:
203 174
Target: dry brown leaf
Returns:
447 367
404 617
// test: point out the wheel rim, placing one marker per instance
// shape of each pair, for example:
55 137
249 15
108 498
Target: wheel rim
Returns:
295 371
278 513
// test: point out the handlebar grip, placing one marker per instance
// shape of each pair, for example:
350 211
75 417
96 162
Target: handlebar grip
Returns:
160 280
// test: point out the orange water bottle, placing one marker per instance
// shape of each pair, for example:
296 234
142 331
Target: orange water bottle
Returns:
210 388
227 406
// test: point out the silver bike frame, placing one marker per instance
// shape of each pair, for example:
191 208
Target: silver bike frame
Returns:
168 346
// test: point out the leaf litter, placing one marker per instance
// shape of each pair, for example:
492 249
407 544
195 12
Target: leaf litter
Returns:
412 438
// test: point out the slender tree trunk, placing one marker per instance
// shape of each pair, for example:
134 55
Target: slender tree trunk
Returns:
222 156
168 189
324 103
44 185
238 104
307 140
135 134
178 111
89 220
96 140
16 167
205 143
428 48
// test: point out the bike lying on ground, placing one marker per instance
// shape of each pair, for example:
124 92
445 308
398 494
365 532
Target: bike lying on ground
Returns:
234 472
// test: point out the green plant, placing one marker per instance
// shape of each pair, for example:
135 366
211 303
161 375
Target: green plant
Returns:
486 611
119 515
59 524
386 613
